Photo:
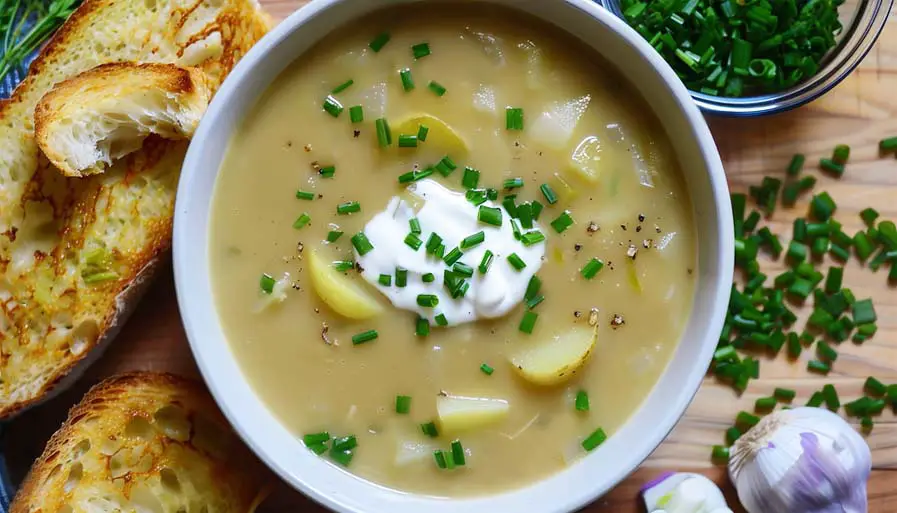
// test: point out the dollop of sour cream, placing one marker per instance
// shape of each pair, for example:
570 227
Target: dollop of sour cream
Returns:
450 215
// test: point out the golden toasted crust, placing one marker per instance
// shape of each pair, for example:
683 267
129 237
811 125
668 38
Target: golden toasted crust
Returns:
73 253
106 112
143 441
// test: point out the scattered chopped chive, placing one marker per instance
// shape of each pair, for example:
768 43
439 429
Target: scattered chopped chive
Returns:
486 262
428 278
831 397
475 196
592 268
332 106
427 300
334 235
533 237
720 453
796 164
364 336
403 404
349 207
563 221
401 277
414 225
839 252
361 243
343 265
816 400
524 214
746 419
594 440
441 320
489 215
487 370
429 429
536 208
822 206
732 435
833 280
453 256
817 366
797 251
442 459
516 262
513 183
422 132
831 166
875 387
463 269
514 118
532 287
327 171
420 50
492 194
458 453
784 394
473 240
316 438
446 166
550 196
529 321
470 178
385 280
318 448
864 312
515 228
841 154
344 443
344 458
534 301
266 283
407 80
407 141
379 42
751 222
302 221
342 87
790 193
433 242
422 327
436 87
765 403
356 114
862 245
384 134
582 401
888 144
867 423
869 215
305 195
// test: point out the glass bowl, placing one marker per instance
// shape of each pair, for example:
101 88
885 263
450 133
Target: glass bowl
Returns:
863 21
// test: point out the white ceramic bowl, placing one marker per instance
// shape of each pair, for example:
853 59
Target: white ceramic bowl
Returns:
565 491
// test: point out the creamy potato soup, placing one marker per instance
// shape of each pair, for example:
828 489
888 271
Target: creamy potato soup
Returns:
451 249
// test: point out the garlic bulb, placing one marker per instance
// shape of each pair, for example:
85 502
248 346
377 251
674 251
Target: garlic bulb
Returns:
683 493
804 460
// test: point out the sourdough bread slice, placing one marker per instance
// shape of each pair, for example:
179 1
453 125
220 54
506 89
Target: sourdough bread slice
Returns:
88 121
143 442
75 253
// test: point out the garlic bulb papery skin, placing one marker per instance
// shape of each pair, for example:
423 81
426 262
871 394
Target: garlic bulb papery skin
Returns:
803 460
683 492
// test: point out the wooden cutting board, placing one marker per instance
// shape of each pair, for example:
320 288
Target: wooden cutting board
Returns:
859 112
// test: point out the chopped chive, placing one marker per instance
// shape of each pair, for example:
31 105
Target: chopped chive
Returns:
379 42
349 207
514 118
864 312
796 164
407 141
562 222
407 80
302 220
332 106
428 278
318 448
534 301
489 215
420 50
344 458
427 300
594 440
334 235
732 435
746 419
436 87
305 195
385 280
582 401
513 183
831 166
343 265
487 370
403 404
471 178
516 262
422 327
822 206
356 114
401 277
831 397
429 429
453 256
486 262
458 453
833 280
473 240
528 322
765 403
433 242
536 208
422 132
816 400
463 269
361 243
869 215
532 287
720 453
888 144
446 166
784 394
841 154
441 461
533 237
819 367
550 196
344 443
414 225
441 320
592 268
875 387
316 438
342 87
327 171
364 336
384 135
266 283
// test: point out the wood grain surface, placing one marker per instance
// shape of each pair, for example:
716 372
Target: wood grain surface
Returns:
859 112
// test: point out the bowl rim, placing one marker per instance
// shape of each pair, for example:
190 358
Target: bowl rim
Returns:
339 490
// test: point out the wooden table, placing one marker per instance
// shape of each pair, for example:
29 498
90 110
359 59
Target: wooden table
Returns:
858 112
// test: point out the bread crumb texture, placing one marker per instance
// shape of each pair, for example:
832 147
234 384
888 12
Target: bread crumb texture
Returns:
143 442
73 251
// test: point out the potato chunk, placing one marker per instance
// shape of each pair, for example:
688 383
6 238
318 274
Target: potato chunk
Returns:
554 361
458 413
342 294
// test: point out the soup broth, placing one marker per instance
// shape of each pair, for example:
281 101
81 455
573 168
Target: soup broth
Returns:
584 132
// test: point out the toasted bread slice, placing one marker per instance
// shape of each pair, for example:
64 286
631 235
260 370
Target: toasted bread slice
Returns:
75 253
86 122
144 442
